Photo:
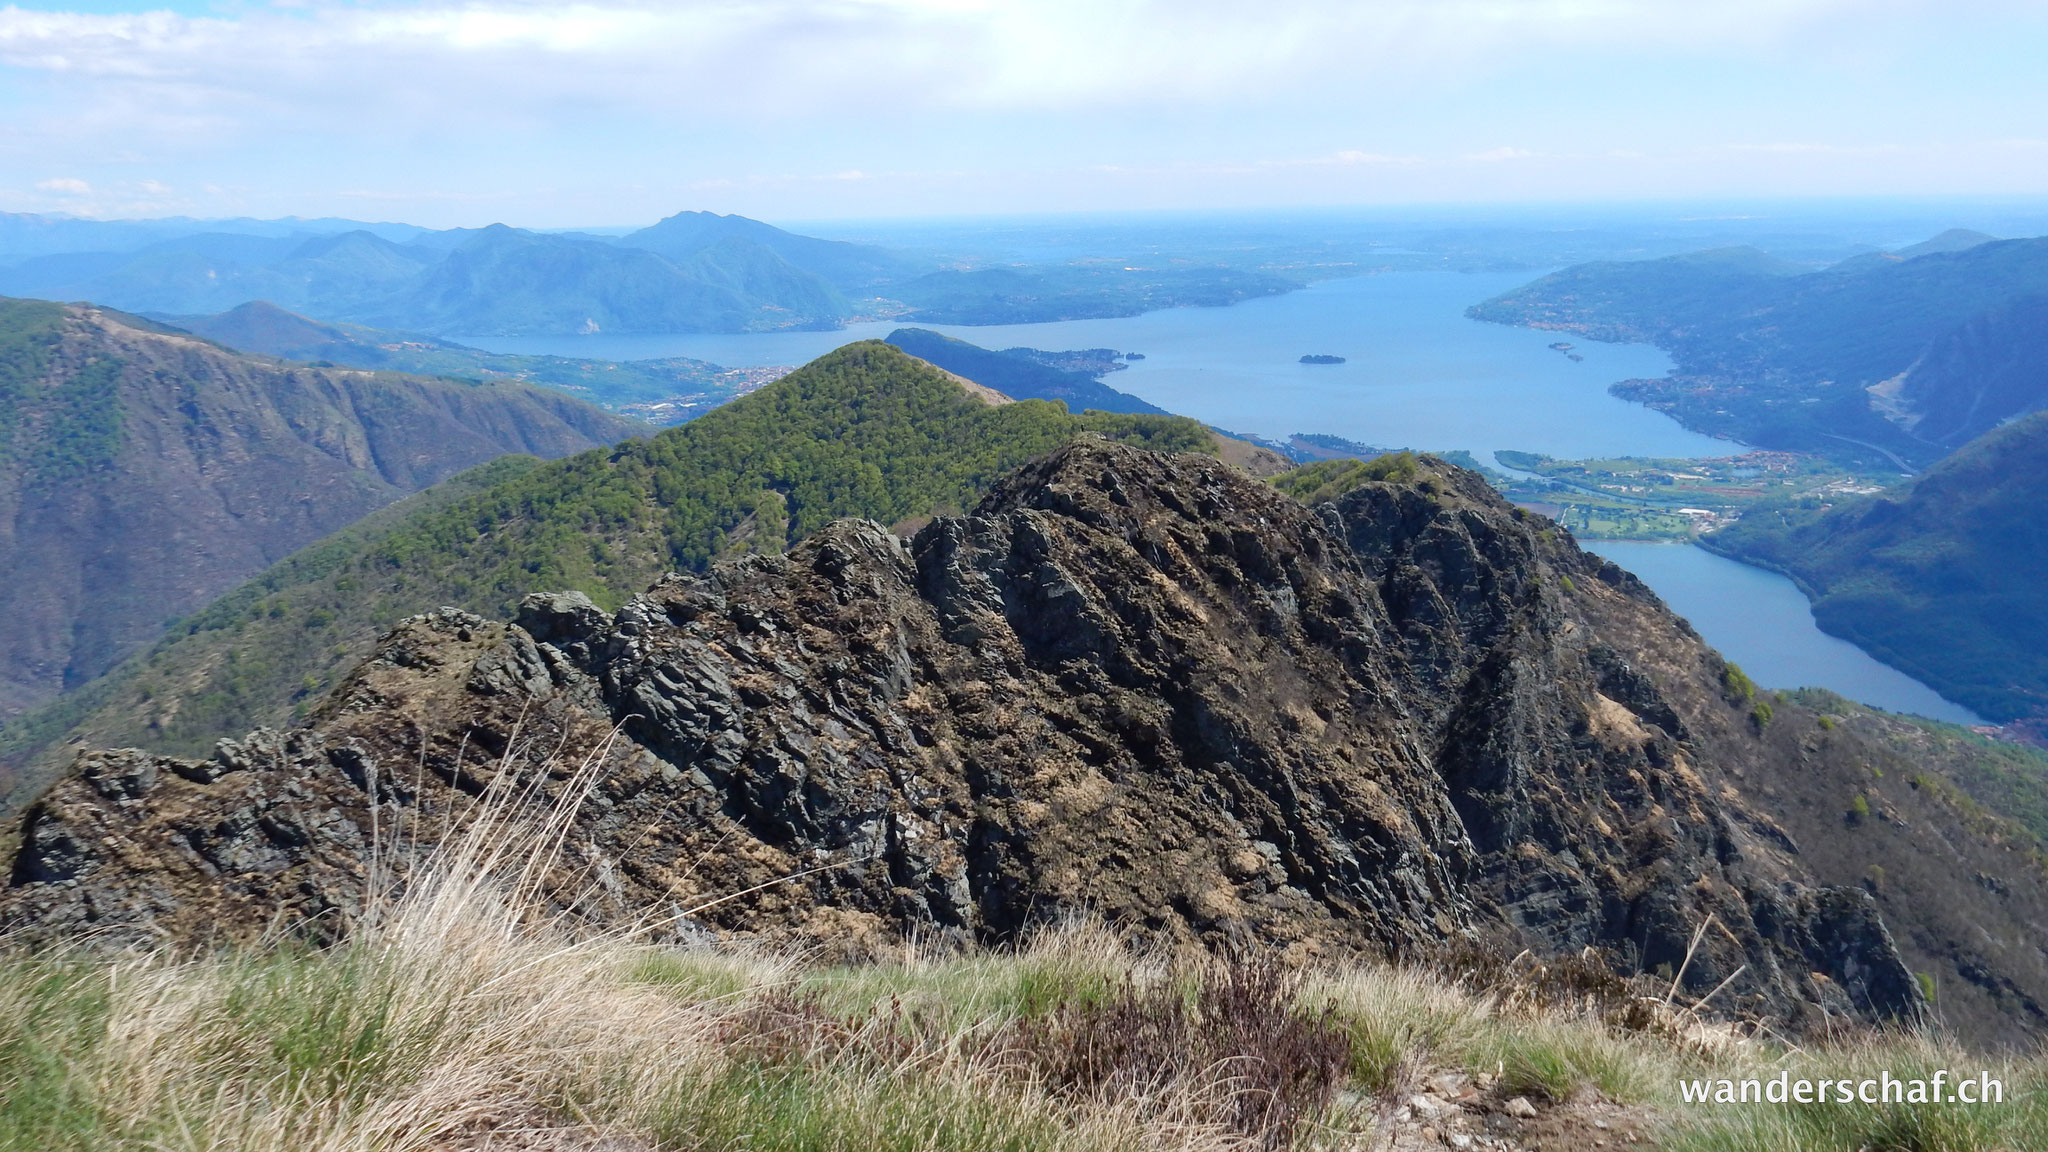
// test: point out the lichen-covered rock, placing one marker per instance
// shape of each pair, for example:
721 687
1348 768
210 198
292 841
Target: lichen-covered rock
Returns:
1141 688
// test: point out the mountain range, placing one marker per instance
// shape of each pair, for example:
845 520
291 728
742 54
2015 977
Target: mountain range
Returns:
145 471
1934 356
1887 358
1057 663
692 272
710 276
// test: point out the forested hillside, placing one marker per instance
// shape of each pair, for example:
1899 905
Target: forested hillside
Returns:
863 431
143 472
1882 357
1016 376
1946 579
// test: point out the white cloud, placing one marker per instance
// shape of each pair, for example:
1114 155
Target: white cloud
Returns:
65 187
1500 154
735 58
476 96
1353 156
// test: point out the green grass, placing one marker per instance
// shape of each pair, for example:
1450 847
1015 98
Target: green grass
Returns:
51 1010
451 1013
2018 1125
1329 479
848 1106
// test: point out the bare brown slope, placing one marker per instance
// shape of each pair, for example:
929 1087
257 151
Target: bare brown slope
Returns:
1145 688
219 465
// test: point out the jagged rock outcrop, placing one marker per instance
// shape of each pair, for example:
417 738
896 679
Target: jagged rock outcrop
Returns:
1138 687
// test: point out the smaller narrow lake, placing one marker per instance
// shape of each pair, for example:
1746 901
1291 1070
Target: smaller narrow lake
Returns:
1761 621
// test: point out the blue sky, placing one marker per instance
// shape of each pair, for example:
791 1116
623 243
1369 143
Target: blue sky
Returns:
597 112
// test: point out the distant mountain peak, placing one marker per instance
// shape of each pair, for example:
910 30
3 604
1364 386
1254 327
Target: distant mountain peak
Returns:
846 267
1953 240
265 329
1740 258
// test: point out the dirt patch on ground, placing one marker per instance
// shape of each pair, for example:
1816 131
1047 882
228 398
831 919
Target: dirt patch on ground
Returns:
1453 1110
1246 456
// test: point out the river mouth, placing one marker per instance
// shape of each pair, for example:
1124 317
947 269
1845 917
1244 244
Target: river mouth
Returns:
1417 374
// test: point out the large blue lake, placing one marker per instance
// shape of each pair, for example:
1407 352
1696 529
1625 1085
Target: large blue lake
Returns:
1418 374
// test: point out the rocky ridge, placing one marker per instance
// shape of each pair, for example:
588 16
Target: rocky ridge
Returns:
1142 688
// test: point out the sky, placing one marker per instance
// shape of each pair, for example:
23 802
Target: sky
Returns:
596 113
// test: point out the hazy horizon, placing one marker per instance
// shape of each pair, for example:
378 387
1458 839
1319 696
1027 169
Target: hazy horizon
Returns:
610 112
1852 223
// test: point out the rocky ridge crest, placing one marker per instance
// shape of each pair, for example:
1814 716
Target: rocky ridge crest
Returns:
1142 688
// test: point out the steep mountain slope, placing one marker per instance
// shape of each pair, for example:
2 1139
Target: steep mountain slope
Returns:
1998 783
1991 369
1141 687
144 472
1016 376
864 431
1946 579
1809 362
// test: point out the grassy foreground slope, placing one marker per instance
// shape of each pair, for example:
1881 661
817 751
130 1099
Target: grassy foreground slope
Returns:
456 1018
862 431
1943 580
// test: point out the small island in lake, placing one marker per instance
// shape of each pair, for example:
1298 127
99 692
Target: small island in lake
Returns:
1313 359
